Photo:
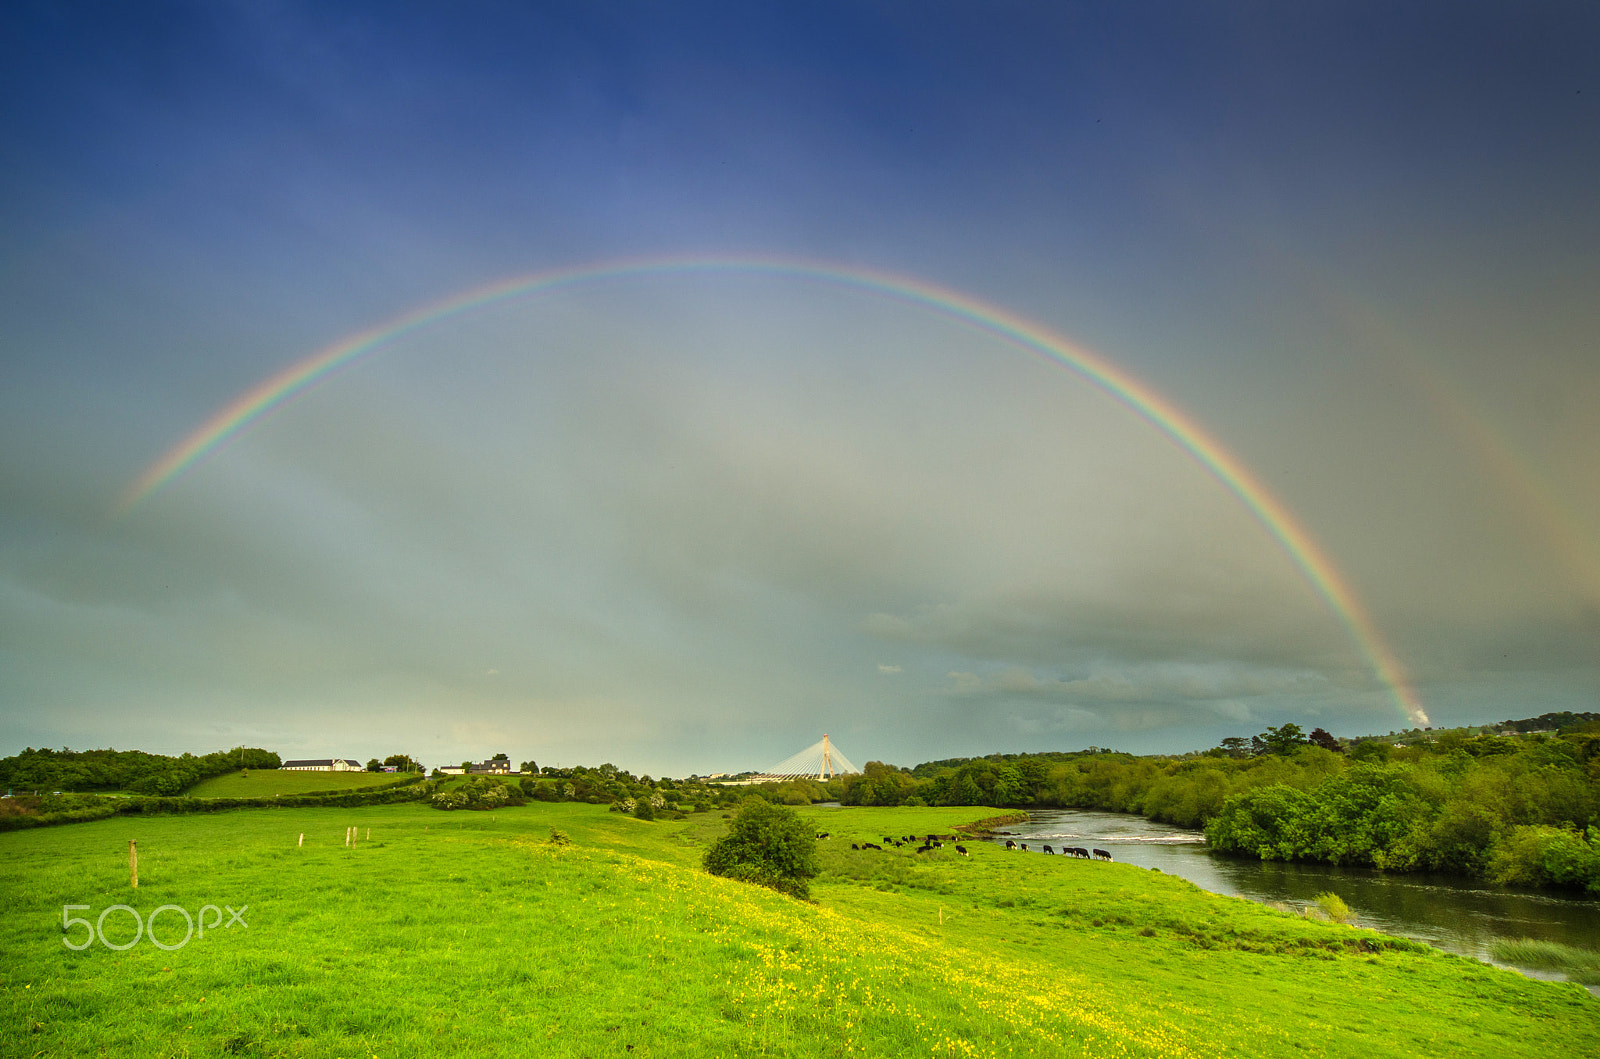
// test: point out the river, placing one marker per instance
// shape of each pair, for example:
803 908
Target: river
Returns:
1454 914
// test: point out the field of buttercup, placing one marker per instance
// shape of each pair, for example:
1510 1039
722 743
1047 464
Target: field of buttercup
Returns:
472 933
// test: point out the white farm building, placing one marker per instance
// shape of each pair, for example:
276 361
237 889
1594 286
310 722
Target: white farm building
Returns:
323 764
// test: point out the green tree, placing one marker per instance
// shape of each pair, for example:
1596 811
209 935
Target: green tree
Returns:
769 845
1281 740
374 765
1372 750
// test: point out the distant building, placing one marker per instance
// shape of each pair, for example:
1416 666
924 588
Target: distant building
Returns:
323 764
492 767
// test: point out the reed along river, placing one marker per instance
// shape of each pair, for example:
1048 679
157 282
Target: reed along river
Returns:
1455 914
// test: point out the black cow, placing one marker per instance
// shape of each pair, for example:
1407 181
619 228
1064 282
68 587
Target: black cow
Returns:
1010 844
1101 854
924 849
1023 847
963 851
1047 849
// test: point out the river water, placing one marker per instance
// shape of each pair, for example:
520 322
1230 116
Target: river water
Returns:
1457 915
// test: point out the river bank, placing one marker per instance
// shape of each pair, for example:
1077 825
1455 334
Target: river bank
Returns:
1458 915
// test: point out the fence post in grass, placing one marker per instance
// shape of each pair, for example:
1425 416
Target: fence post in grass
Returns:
133 864
302 841
347 837
369 834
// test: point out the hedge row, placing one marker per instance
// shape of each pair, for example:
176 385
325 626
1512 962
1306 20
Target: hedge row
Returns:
72 809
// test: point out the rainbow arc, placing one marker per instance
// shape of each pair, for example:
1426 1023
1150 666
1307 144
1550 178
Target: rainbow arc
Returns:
1301 547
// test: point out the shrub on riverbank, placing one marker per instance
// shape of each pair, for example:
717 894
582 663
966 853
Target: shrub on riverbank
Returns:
769 845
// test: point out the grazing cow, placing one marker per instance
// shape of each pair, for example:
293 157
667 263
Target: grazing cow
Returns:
1101 854
872 845
854 846
1047 849
1010 844
1024 847
822 834
963 851
924 849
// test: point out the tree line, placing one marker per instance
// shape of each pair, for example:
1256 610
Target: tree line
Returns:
123 770
1521 809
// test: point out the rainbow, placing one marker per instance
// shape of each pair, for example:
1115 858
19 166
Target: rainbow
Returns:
1296 541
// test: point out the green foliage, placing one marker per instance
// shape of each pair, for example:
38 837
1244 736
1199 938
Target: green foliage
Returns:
769 845
480 792
123 770
1269 822
1285 739
1540 855
1371 751
1333 907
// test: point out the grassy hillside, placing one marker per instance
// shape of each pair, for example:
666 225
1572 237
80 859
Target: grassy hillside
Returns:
458 933
264 783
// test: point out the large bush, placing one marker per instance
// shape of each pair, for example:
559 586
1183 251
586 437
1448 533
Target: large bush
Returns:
768 845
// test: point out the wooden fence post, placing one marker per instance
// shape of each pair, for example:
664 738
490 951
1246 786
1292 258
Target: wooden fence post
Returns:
133 864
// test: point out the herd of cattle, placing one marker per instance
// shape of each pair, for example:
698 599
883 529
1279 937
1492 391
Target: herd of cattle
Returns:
933 842
1066 851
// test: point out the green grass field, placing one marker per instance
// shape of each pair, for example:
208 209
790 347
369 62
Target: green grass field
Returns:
469 933
264 783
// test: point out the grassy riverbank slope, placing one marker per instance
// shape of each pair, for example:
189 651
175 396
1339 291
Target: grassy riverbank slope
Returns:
470 933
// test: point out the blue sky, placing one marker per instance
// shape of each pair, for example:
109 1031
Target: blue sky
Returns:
686 523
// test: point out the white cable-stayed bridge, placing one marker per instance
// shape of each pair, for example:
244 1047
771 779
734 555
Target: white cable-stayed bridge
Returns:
819 761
